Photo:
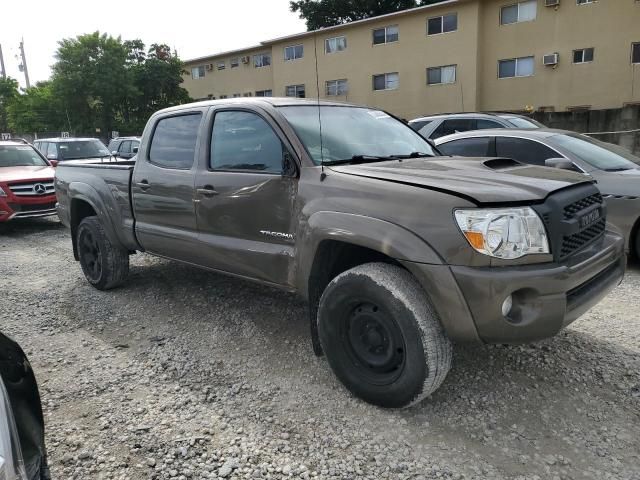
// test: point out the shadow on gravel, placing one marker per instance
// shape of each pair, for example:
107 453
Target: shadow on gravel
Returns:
27 226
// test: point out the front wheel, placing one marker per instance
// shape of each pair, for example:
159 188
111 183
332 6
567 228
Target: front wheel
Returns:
104 265
382 337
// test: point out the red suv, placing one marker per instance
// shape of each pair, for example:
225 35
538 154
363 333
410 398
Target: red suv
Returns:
26 182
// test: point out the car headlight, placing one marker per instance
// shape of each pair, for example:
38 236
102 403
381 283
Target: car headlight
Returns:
504 232
2 193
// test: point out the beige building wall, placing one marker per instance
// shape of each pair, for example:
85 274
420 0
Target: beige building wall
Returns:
609 26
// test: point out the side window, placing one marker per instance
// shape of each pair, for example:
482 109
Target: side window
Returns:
467 147
174 141
52 151
417 126
523 150
125 147
245 141
485 124
453 126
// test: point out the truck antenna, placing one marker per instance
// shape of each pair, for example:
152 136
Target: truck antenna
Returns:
315 45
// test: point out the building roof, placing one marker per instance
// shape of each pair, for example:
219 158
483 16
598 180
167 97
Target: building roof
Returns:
312 33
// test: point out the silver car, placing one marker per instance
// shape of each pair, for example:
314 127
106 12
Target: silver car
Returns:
436 126
616 169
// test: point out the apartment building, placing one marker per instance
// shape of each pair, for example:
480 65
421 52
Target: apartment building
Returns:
458 55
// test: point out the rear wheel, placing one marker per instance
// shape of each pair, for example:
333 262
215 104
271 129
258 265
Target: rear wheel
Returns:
104 265
381 336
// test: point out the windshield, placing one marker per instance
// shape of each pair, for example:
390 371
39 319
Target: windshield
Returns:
523 122
20 156
600 155
349 132
82 149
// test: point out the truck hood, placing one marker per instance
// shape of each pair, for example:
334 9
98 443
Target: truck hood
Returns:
16 174
481 180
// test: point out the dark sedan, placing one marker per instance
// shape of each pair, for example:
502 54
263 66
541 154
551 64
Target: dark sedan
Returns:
616 169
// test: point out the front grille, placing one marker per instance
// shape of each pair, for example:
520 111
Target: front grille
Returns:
577 241
32 208
571 210
31 188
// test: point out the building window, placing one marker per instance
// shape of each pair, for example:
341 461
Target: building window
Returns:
293 53
441 75
264 93
583 55
197 72
443 24
295 91
262 60
516 67
337 87
386 35
221 65
248 94
235 62
236 95
222 97
584 2
635 53
335 44
386 81
520 12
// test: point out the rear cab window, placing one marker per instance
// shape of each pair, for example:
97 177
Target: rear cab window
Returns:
174 141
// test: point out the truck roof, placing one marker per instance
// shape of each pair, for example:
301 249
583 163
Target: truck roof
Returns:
273 101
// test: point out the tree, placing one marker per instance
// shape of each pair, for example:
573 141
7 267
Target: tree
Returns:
8 92
327 13
37 110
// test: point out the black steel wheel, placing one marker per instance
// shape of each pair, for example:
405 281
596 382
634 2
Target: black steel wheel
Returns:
381 336
104 265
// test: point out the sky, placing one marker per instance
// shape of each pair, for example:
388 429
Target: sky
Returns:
194 28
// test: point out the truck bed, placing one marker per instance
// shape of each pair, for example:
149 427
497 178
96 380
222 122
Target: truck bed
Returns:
106 187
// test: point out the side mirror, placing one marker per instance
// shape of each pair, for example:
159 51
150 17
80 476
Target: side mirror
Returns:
54 163
135 150
114 153
52 156
288 165
561 163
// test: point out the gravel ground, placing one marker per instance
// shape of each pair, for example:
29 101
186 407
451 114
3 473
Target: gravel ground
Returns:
184 374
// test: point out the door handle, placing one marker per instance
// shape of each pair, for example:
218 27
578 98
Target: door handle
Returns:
207 191
144 185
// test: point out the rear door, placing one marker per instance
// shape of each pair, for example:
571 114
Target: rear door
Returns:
163 186
245 193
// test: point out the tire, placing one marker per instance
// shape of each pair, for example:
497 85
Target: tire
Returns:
104 265
381 336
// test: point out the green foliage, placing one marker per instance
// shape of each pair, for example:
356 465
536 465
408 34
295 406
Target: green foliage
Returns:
100 82
8 92
327 13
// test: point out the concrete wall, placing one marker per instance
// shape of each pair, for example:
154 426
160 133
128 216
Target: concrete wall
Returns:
596 121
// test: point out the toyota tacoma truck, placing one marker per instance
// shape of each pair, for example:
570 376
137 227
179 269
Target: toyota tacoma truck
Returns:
398 251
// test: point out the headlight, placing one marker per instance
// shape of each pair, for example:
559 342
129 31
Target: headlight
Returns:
504 232
2 193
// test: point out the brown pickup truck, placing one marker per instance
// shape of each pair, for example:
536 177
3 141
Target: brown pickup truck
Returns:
397 250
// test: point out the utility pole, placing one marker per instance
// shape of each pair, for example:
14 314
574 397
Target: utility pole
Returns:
24 64
3 72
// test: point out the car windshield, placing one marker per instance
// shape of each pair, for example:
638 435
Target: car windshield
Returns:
353 132
82 149
600 155
20 156
519 122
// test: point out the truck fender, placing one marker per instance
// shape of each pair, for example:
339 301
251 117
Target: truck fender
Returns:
381 236
83 192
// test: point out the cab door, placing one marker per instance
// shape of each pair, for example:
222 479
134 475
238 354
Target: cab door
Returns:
245 192
163 187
